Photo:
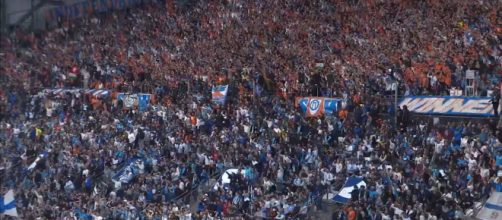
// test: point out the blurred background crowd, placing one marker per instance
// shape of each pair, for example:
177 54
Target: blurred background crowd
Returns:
77 155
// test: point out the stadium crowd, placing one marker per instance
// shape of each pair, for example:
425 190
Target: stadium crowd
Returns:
79 155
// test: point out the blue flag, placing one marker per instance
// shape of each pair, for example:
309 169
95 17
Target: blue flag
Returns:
143 102
82 215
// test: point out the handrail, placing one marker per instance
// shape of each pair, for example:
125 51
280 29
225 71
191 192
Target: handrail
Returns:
196 187
310 200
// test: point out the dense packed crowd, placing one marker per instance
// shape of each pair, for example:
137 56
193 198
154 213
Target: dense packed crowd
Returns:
268 52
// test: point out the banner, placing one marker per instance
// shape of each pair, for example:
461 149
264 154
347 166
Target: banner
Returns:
345 193
317 106
492 209
142 100
219 94
447 105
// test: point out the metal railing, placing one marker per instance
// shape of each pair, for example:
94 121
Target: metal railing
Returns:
195 187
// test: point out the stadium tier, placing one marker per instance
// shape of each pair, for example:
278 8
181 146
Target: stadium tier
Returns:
234 109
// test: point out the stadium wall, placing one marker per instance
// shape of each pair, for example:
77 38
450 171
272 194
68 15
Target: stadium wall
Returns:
48 14
14 10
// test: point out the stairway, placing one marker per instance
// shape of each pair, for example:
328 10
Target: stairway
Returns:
201 190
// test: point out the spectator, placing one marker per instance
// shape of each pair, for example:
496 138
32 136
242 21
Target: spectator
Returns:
495 101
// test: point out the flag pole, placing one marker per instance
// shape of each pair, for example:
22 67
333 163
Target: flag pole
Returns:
254 89
395 103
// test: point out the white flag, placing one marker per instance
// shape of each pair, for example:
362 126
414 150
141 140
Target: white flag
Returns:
8 204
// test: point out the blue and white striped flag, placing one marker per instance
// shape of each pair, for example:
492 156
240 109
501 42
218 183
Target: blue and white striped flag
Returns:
94 92
8 204
492 208
345 194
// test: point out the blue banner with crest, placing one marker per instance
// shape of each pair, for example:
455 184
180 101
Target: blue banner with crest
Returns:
317 106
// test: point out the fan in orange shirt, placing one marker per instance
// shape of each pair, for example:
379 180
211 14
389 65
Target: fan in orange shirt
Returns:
343 114
420 71
153 99
193 120
356 98
242 90
121 56
221 79
95 102
167 101
409 76
443 73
